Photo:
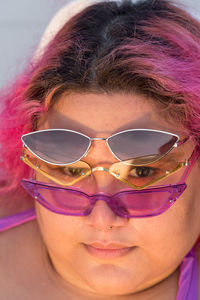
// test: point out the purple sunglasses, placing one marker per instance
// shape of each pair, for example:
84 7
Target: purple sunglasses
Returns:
126 203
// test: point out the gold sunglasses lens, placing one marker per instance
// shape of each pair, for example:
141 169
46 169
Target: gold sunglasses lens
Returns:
67 174
60 174
142 175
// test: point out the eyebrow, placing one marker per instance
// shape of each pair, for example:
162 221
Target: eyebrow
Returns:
68 123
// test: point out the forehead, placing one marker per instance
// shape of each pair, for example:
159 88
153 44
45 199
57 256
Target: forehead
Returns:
95 114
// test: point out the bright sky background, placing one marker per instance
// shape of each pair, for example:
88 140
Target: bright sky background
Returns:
22 23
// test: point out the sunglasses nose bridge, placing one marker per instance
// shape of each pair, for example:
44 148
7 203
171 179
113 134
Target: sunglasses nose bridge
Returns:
106 181
98 139
100 169
100 197
105 198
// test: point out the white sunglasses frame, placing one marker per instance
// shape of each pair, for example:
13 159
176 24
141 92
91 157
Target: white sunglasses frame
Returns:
177 143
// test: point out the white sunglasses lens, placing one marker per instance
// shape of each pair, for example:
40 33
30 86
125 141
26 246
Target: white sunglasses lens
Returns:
151 145
57 146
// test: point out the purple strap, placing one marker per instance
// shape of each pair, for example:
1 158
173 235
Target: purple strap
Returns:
188 280
17 219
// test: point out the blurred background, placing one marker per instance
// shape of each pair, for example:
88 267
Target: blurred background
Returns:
22 23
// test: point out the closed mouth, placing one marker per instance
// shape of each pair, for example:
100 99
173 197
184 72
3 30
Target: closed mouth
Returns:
106 251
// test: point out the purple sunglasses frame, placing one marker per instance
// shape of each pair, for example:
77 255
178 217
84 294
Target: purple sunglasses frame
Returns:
175 191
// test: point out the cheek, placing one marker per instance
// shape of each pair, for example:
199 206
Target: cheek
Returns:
60 233
167 238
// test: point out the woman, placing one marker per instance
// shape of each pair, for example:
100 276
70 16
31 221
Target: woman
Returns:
106 123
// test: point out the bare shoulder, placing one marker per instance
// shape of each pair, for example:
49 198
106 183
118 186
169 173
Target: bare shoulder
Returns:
20 261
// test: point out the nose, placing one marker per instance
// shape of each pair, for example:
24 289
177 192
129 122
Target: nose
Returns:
100 159
103 218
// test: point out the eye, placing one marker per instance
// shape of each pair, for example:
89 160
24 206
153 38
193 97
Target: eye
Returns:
141 172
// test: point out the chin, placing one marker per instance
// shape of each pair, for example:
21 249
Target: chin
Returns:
109 280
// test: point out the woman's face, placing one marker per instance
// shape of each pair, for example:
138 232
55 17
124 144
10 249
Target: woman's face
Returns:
138 252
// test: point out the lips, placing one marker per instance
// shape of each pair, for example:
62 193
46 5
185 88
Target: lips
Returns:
108 250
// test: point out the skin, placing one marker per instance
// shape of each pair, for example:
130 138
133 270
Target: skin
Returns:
150 270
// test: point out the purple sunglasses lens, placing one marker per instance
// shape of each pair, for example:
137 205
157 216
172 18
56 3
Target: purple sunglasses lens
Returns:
149 202
140 143
57 146
60 200
144 203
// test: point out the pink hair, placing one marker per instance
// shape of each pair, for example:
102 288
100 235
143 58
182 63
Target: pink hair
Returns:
16 119
150 47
